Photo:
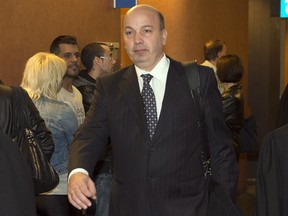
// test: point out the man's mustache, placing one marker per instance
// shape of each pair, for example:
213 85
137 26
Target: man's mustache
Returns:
73 65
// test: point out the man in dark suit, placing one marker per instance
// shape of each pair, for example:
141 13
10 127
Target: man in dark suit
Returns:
156 172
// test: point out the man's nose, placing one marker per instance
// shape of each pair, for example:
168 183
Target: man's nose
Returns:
138 38
75 58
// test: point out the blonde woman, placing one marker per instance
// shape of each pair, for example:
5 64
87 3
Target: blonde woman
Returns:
42 79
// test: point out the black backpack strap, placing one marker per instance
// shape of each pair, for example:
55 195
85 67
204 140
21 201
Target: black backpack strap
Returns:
192 74
191 70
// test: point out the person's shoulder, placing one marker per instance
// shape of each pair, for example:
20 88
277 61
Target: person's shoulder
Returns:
276 141
80 81
86 89
237 92
62 107
62 93
5 91
205 69
117 74
206 74
123 70
174 63
52 106
5 88
280 132
86 78
76 90
207 78
201 68
77 95
56 104
232 99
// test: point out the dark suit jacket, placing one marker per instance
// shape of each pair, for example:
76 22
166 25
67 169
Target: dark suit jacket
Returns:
272 174
282 117
163 176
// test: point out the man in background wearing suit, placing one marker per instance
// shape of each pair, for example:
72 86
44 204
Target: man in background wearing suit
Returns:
157 165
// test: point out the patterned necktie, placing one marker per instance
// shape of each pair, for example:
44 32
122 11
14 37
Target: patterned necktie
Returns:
149 104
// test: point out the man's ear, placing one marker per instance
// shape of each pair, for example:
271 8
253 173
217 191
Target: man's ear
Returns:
97 61
164 36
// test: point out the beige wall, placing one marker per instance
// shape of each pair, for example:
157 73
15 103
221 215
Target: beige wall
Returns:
190 23
27 27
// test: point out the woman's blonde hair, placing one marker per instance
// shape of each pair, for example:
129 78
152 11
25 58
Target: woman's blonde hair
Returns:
43 74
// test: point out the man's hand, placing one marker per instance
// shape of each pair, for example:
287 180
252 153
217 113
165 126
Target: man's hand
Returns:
80 189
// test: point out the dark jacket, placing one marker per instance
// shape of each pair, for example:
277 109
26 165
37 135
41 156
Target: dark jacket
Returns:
272 174
282 116
86 85
37 123
16 192
163 176
233 108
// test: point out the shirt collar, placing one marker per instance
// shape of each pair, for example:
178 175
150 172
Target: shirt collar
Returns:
159 71
209 64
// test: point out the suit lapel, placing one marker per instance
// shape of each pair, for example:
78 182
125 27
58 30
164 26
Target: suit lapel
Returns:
130 90
175 86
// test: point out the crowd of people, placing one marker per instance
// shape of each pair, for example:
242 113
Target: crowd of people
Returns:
110 157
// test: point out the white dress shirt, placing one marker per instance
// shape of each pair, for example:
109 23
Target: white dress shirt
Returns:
158 82
209 64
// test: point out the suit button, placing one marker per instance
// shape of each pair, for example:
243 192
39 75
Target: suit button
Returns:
152 149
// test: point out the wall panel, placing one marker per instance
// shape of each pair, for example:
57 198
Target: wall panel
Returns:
190 23
29 26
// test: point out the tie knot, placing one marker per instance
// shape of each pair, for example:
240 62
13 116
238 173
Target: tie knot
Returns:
146 78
